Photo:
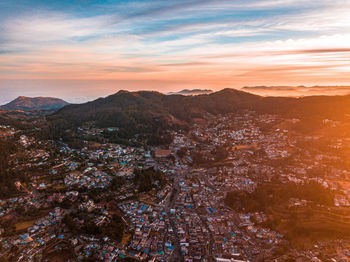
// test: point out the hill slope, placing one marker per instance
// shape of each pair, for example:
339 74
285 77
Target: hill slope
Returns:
152 108
35 103
151 114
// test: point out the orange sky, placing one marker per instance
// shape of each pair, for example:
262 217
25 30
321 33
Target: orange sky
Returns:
168 46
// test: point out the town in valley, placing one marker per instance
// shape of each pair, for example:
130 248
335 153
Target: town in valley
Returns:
233 187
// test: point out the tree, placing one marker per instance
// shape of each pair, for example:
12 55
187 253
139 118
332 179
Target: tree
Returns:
181 152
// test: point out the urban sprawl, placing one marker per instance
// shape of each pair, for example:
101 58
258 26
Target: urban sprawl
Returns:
111 202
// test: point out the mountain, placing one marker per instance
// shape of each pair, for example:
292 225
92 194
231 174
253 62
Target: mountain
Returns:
193 92
126 108
149 115
35 103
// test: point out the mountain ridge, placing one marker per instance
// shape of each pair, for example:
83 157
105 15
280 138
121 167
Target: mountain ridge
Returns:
25 103
151 114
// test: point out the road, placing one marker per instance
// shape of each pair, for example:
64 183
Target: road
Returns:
177 255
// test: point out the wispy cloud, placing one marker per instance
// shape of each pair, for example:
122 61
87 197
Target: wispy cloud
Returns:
215 43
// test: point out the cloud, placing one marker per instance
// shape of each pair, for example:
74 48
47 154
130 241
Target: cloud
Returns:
180 64
297 90
3 51
318 51
128 69
53 27
211 43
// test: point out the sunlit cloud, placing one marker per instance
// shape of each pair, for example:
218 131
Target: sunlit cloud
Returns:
209 44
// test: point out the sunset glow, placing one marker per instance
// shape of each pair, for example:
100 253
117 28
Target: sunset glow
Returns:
174 130
170 45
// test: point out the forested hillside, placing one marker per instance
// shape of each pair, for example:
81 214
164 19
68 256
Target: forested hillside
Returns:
149 115
6 181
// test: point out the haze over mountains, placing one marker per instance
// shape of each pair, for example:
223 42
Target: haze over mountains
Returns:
35 103
192 92
297 90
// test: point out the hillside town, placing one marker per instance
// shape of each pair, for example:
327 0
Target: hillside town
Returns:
113 202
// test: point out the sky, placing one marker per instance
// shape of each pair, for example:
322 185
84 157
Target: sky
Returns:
80 50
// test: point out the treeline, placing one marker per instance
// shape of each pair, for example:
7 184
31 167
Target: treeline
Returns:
147 179
113 229
219 153
148 129
7 177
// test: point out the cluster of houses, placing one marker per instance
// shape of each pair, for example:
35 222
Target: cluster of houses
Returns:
36 237
7 131
153 236
90 178
186 218
207 229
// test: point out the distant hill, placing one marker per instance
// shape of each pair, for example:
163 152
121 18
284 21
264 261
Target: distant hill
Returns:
151 114
125 107
35 103
192 92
